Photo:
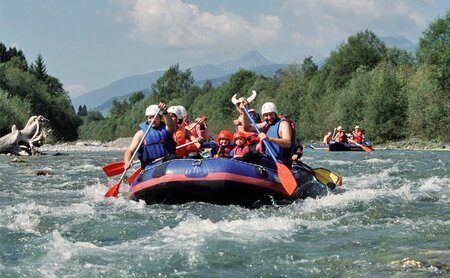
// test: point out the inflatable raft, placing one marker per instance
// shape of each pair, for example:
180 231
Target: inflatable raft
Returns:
338 146
219 181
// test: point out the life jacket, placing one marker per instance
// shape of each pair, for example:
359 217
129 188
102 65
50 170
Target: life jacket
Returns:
341 137
239 151
358 137
199 130
180 138
157 143
327 139
221 152
283 154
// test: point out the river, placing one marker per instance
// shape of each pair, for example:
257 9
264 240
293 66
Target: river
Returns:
390 218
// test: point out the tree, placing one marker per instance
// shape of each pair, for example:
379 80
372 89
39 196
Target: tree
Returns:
386 107
119 108
363 49
136 97
434 50
82 111
39 68
173 83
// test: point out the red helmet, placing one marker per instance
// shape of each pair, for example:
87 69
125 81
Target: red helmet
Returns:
224 134
238 134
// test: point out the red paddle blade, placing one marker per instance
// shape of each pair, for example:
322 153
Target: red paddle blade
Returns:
287 179
133 177
367 149
113 191
114 169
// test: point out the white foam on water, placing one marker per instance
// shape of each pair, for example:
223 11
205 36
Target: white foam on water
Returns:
61 250
434 184
24 217
374 160
386 176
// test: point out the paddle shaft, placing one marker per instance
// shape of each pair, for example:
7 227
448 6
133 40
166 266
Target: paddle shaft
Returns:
365 148
139 145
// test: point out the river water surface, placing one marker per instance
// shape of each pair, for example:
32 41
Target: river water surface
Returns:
390 218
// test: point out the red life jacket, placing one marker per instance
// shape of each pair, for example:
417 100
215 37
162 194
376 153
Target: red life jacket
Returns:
341 137
358 137
240 151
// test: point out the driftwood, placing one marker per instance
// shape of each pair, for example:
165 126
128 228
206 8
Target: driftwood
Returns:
27 140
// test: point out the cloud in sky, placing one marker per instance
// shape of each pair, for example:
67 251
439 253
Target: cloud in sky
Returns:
94 43
181 25
310 27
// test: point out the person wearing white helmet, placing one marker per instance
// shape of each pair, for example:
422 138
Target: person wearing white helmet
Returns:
340 135
327 138
184 115
182 135
158 141
357 135
275 130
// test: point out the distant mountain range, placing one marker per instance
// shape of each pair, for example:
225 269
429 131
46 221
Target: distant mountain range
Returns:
101 99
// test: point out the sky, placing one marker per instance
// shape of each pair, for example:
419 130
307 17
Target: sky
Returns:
88 44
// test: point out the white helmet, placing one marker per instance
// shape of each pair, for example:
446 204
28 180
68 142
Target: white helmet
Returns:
269 107
175 110
182 110
151 110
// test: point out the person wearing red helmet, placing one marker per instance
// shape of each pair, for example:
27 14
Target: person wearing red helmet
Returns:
241 147
224 147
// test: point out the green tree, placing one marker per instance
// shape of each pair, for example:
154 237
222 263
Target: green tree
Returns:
82 111
136 97
364 49
173 83
39 68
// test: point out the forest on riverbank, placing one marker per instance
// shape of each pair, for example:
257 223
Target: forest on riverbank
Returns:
392 94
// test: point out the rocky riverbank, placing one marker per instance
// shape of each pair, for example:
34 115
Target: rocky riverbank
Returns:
87 146
122 143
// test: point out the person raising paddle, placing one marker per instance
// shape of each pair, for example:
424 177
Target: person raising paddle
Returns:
276 130
158 141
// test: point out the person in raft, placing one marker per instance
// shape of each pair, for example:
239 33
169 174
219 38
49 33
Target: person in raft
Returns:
327 138
251 137
357 135
241 147
158 142
183 136
297 154
224 147
340 135
198 128
276 130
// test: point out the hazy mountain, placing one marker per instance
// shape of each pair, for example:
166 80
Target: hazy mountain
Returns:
118 88
142 82
400 42
101 99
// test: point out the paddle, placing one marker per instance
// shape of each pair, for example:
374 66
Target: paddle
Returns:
286 178
114 190
324 176
365 148
116 168
196 123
